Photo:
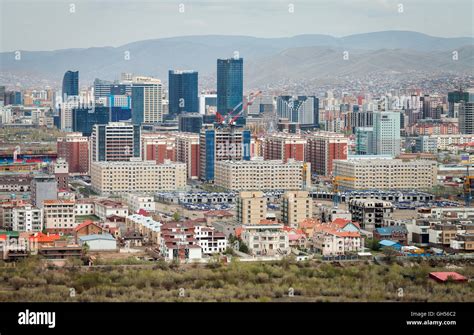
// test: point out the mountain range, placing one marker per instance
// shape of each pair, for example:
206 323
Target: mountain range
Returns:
266 60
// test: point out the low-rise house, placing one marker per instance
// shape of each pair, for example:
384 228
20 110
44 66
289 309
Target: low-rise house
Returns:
226 227
393 233
462 243
145 226
218 215
441 233
337 238
307 226
105 208
210 240
418 231
99 242
87 227
267 238
137 202
132 239
178 242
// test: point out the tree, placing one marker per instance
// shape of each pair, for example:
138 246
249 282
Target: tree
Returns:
390 253
243 247
85 248
176 216
373 244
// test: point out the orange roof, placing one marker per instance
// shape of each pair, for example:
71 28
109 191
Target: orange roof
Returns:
329 228
44 238
444 276
308 223
340 222
238 231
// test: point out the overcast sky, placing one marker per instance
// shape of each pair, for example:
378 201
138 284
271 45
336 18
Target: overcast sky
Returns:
56 24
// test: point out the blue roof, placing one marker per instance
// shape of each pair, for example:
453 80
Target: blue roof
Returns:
390 230
97 237
388 243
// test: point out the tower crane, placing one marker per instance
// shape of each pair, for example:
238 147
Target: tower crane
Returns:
230 118
335 187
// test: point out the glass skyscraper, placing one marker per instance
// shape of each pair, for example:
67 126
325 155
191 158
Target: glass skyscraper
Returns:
230 79
71 83
183 92
84 119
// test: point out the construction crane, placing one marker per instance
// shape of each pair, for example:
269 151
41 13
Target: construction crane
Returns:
335 187
305 175
230 118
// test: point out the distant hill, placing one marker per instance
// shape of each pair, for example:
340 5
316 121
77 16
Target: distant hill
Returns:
264 58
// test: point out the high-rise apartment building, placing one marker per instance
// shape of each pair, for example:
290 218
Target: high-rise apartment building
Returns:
115 141
284 146
466 114
296 206
251 207
74 149
183 92
303 110
147 104
218 144
386 135
323 148
158 147
187 151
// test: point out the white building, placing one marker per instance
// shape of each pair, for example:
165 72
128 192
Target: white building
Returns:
136 202
27 218
386 134
210 240
259 174
266 239
337 238
137 176
99 242
381 173
106 208
84 207
147 100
